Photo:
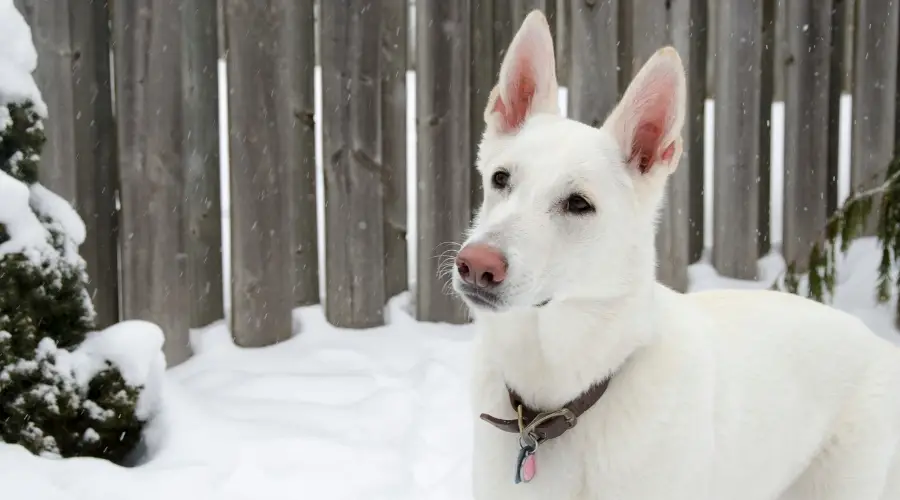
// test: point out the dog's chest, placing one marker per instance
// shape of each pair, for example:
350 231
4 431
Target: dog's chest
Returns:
575 466
631 444
559 467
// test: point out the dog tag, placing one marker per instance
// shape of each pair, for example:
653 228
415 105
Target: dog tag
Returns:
526 466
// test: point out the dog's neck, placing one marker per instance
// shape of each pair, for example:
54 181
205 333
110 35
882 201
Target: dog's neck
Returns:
550 355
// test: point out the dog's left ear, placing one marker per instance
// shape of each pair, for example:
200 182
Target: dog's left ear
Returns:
647 121
527 81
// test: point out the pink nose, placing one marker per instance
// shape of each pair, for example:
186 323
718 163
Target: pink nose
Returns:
481 265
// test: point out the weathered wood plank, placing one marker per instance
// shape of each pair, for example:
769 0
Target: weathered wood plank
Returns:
548 7
491 30
563 40
443 149
807 70
712 47
875 84
683 220
147 36
736 193
221 30
848 27
352 148
97 182
52 38
504 29
645 28
766 97
781 49
841 48
594 79
261 259
691 28
483 74
296 73
650 25
625 50
394 19
202 200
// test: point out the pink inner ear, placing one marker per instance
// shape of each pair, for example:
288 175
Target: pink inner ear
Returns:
646 143
520 92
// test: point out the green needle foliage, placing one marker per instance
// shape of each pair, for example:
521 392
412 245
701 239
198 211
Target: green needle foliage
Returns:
843 227
49 402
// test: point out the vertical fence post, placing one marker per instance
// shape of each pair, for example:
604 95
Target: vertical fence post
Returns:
691 29
261 229
296 77
645 28
807 126
736 196
444 177
488 46
394 30
766 97
594 78
221 30
563 40
147 37
712 34
504 30
53 42
841 45
483 73
650 26
202 200
874 87
625 52
97 181
352 147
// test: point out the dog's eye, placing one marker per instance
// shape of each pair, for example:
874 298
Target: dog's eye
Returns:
578 205
500 179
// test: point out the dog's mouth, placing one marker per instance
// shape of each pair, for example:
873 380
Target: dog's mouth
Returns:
480 298
484 299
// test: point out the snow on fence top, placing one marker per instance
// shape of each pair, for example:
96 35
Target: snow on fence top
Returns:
18 59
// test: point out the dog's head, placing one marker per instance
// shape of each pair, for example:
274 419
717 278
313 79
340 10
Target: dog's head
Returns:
569 210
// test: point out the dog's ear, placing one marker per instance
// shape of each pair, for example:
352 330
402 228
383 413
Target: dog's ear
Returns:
527 81
647 121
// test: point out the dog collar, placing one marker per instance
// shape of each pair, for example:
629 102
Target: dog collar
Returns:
535 427
542 426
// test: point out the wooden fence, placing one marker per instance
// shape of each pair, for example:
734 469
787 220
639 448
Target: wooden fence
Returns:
134 138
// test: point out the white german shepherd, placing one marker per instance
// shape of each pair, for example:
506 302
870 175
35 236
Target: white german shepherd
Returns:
727 395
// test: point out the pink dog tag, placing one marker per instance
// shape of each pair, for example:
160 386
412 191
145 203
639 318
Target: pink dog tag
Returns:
526 466
529 468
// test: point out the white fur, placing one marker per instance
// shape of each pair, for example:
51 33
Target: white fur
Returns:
727 395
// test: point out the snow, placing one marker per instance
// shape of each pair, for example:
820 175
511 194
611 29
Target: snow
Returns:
18 59
48 203
26 233
135 348
335 414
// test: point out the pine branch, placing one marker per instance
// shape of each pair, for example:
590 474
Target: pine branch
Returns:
846 224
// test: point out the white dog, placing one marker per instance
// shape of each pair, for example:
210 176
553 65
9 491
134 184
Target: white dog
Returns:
642 393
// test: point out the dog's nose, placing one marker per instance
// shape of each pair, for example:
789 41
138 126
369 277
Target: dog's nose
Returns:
481 265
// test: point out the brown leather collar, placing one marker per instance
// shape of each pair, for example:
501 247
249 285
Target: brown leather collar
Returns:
541 426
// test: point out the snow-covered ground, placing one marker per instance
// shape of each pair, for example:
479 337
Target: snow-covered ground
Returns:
337 414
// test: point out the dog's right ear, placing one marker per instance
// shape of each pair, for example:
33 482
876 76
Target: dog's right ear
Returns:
527 81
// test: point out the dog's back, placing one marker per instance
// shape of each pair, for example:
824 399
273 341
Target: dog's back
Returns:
805 395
